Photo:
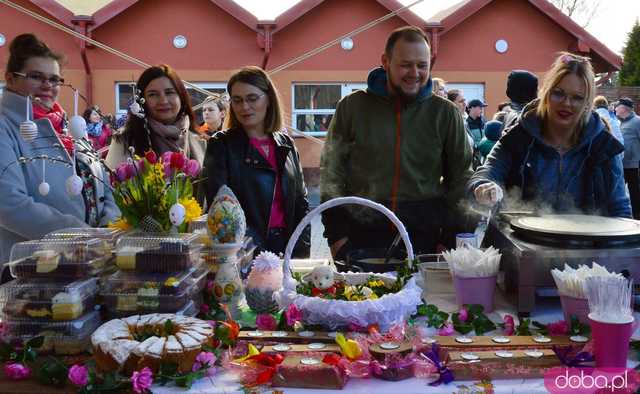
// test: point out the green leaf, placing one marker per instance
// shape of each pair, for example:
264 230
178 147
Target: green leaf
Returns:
463 328
29 354
475 309
482 324
422 310
52 372
5 351
35 342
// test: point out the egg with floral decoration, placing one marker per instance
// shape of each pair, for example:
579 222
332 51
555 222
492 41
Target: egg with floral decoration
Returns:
177 214
226 221
265 279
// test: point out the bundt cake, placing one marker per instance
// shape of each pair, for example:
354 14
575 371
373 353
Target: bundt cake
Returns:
136 342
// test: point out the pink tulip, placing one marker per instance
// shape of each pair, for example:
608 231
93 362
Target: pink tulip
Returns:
192 168
16 371
293 315
509 325
78 375
265 321
558 328
142 380
166 157
446 330
151 157
463 315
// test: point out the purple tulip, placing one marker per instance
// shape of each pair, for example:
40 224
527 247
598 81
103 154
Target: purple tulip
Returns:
192 168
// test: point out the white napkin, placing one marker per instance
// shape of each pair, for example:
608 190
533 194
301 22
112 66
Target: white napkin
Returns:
570 281
609 299
467 262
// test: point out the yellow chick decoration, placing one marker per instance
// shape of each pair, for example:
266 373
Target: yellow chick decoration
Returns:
349 348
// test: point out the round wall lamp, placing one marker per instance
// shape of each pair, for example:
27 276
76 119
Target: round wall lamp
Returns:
179 41
502 45
346 44
3 40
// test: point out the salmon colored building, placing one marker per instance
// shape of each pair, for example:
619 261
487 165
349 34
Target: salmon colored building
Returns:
475 45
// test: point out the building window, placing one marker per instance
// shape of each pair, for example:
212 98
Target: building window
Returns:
124 92
1 87
314 104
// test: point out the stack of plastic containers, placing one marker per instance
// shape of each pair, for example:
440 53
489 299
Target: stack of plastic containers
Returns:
156 274
55 292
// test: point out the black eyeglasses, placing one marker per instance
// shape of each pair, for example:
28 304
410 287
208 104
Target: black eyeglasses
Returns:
251 99
40 78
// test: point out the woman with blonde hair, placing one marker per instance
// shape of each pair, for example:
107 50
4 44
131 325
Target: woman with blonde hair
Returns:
257 159
559 154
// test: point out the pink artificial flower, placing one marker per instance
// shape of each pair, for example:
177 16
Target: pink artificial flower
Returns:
509 325
192 168
16 371
204 359
463 315
446 330
166 157
151 157
178 160
142 380
293 315
558 328
78 375
265 321
204 308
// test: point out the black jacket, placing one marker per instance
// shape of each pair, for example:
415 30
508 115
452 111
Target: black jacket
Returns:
231 160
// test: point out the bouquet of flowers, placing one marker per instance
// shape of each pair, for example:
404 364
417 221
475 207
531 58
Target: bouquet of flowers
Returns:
156 194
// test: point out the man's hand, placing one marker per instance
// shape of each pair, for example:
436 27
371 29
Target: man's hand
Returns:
488 194
336 246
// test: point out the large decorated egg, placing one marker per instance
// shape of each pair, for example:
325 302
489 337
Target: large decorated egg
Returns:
226 221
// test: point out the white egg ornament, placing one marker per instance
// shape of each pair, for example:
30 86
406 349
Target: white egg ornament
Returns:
28 130
43 188
73 185
78 127
177 214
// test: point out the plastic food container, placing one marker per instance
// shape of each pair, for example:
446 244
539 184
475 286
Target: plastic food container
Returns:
128 282
68 337
76 258
129 297
109 235
46 300
157 253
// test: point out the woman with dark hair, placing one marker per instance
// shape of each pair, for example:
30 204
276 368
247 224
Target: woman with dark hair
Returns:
98 130
259 162
160 119
559 153
33 203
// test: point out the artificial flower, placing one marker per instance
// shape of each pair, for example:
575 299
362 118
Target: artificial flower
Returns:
446 330
251 352
463 315
16 371
205 360
558 328
349 348
192 209
293 315
177 160
265 321
509 325
142 380
192 168
78 375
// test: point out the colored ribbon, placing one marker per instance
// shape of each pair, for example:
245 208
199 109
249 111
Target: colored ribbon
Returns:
445 374
564 354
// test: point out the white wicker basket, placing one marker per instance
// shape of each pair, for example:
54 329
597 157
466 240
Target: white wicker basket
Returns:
386 311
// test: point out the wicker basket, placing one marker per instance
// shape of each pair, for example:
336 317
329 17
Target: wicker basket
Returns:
386 311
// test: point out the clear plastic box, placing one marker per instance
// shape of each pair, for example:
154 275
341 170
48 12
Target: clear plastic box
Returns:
68 337
108 235
41 299
77 258
129 299
157 253
164 284
199 227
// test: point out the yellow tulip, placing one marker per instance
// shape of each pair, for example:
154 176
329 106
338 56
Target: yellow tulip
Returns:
251 351
349 348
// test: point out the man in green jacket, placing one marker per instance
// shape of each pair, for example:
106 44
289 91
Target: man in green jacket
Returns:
397 144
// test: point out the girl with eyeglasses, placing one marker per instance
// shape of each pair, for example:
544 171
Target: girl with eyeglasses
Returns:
260 163
559 154
28 211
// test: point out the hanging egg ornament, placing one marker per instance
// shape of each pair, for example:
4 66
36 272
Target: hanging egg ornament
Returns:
43 188
78 127
28 130
177 214
73 185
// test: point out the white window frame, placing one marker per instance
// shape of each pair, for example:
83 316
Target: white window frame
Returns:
346 88
203 85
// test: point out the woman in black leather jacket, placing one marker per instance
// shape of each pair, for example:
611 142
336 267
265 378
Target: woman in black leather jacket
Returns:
259 163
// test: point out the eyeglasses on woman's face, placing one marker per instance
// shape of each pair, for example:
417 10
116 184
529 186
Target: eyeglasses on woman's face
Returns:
250 99
558 96
40 79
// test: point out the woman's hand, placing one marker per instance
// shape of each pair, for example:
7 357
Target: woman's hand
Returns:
488 194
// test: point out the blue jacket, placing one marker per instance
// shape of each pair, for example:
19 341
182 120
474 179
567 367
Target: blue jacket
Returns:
588 178
24 213
630 128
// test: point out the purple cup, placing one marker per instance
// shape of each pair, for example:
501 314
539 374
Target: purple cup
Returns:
475 291
578 307
610 342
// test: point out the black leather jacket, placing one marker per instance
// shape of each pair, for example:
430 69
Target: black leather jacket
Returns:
231 160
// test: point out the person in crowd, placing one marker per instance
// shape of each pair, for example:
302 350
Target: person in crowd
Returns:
439 87
98 130
491 135
260 163
522 88
28 208
474 127
601 106
214 110
504 106
559 153
398 144
456 96
630 128
160 119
